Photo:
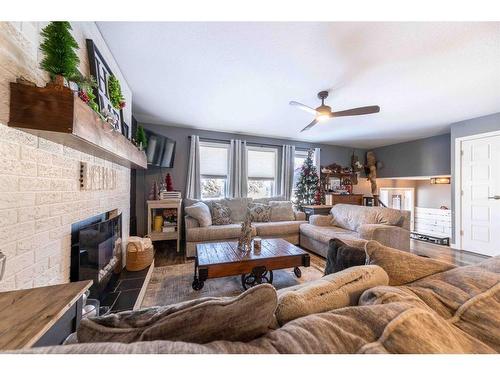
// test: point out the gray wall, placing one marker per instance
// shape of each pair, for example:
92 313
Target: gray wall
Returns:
422 157
432 196
329 154
465 128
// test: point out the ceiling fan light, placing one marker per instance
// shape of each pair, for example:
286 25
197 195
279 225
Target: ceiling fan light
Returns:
322 117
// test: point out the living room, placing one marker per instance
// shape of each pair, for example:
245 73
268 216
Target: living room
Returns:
342 176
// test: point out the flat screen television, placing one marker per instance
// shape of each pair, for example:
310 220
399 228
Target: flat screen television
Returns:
160 151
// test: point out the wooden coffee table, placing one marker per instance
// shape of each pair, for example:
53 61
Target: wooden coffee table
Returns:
221 259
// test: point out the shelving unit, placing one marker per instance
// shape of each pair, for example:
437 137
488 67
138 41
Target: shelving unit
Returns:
155 208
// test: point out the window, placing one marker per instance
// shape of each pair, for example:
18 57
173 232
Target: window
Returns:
213 170
262 167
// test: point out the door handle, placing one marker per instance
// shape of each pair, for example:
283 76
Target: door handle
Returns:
496 197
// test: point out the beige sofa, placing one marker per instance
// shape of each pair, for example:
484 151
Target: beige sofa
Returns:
387 226
195 234
437 309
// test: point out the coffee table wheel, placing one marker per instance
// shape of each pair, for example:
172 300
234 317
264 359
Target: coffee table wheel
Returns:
255 278
297 272
197 284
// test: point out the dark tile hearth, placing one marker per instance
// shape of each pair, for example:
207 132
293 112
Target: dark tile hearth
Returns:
125 291
126 300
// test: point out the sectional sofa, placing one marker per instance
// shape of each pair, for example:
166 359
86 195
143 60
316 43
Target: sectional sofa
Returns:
387 226
398 303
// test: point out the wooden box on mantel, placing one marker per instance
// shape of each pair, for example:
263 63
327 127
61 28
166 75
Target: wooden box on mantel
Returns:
57 114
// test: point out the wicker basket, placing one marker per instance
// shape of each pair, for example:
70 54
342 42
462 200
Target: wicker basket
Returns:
140 253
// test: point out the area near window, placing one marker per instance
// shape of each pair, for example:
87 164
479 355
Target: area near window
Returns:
213 170
262 171
300 158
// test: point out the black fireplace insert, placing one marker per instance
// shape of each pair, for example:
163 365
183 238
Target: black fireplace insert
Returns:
96 252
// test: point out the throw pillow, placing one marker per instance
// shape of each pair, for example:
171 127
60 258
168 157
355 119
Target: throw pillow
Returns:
260 213
331 292
342 255
402 267
238 207
282 211
197 321
200 212
221 214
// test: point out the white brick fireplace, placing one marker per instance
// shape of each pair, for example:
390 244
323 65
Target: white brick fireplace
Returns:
40 195
40 198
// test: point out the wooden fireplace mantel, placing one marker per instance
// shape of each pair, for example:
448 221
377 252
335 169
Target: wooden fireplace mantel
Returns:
57 114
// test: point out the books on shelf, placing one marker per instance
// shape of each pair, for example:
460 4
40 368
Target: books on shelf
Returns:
169 228
170 195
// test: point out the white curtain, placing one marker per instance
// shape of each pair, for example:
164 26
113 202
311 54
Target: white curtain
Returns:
193 184
237 170
287 168
317 160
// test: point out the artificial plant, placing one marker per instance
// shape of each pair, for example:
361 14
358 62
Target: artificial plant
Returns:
59 49
307 184
86 91
140 137
115 92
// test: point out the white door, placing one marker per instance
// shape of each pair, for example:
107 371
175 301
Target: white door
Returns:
480 203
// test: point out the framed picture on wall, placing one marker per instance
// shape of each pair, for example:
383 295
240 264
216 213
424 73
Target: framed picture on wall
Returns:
101 72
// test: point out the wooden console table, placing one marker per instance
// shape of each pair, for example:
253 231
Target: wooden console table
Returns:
356 199
317 209
40 316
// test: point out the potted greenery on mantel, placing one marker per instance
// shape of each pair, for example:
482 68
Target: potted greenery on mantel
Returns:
56 112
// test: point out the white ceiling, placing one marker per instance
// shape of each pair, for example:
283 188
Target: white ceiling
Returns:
239 77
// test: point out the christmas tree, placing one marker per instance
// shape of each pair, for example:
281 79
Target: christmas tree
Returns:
307 185
58 47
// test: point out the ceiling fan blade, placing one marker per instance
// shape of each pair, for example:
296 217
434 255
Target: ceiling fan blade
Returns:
314 122
304 107
357 111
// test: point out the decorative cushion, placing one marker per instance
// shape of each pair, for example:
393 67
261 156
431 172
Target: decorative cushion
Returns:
260 213
238 207
342 255
328 293
282 211
200 212
402 267
196 321
221 214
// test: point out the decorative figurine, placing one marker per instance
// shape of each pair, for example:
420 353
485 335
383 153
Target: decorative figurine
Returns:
245 240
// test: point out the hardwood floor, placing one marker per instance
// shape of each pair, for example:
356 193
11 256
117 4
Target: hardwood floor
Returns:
445 253
166 255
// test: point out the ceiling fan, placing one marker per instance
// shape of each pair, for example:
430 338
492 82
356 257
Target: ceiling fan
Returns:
324 112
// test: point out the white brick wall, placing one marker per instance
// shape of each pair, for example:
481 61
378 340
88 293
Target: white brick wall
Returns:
39 187
38 204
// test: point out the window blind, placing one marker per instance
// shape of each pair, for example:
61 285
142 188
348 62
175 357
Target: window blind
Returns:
213 160
261 164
